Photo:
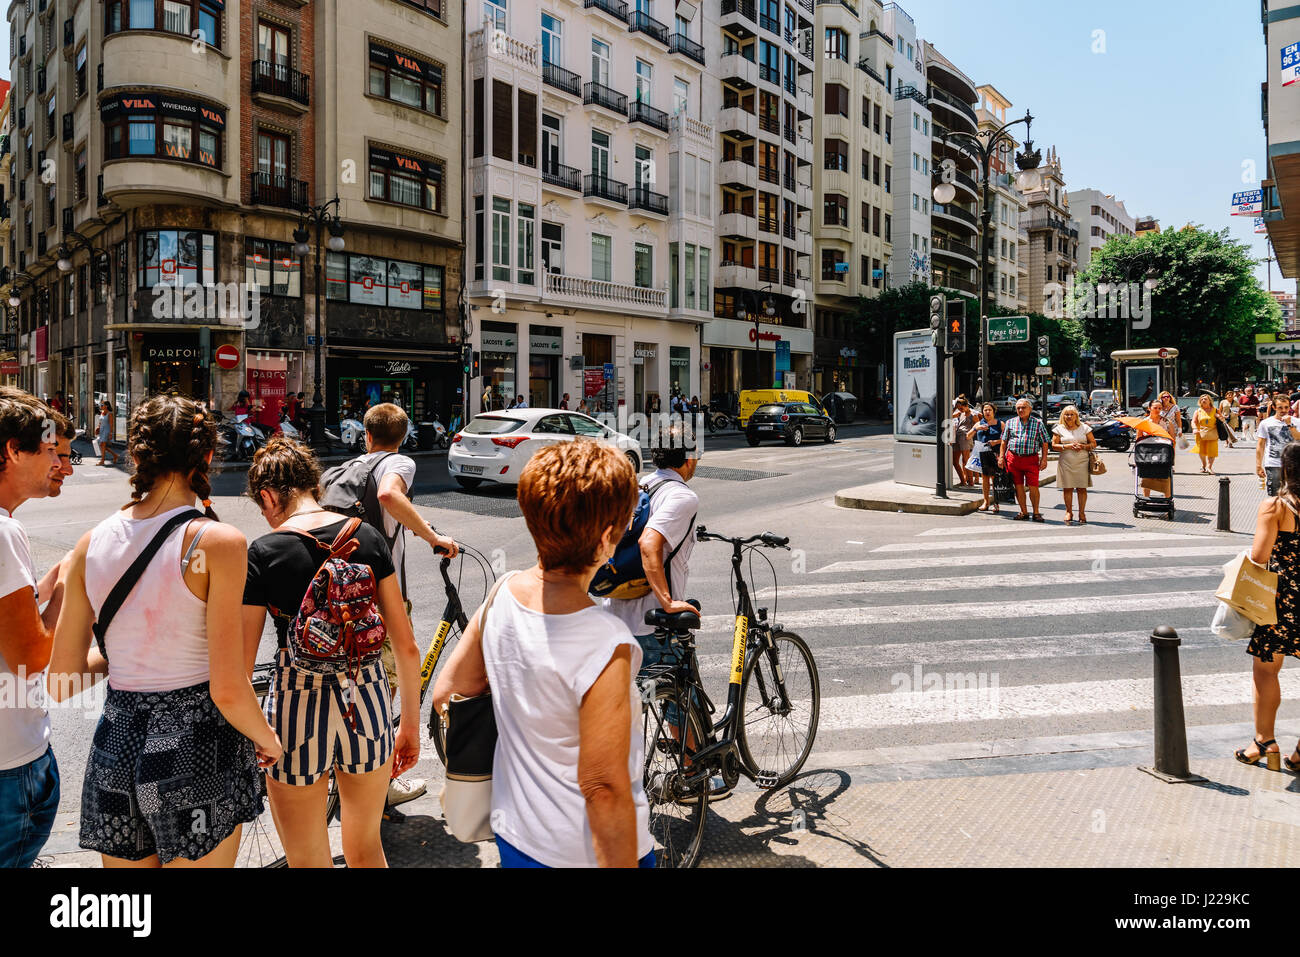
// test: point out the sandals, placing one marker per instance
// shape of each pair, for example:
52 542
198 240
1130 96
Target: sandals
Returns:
1293 766
1263 746
1082 520
1038 518
1069 521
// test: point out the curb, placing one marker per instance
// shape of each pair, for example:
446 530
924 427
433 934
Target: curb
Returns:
892 497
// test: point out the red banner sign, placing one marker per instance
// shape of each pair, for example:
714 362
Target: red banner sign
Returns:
593 382
9 367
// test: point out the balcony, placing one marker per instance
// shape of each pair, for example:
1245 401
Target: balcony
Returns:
648 201
955 282
952 247
864 65
952 103
788 230
280 82
641 112
769 275
684 127
687 48
739 17
769 174
562 177
911 93
738 71
566 81
738 122
954 212
735 225
595 186
595 94
642 22
613 8
737 174
282 191
769 224
770 124
735 276
640 299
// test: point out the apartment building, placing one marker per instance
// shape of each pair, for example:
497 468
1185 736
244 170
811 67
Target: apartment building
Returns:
589 191
852 229
913 148
1100 216
165 153
1053 234
1146 224
1007 268
951 95
9 371
761 93
1280 115
1286 302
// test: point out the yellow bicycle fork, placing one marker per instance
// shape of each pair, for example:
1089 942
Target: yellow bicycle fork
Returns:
433 654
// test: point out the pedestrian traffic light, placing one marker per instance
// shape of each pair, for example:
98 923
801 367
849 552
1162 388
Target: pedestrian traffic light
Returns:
1044 351
955 331
938 309
466 356
474 367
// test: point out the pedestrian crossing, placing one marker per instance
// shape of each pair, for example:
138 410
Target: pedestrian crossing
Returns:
956 634
858 455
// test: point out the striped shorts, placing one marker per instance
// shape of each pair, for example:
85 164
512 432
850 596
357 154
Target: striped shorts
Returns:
310 714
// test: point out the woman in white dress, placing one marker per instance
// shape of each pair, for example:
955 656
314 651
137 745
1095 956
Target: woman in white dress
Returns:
1074 441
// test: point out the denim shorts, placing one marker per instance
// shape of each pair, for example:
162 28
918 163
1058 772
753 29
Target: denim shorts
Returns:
29 800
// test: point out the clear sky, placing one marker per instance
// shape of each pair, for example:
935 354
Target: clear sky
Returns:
1164 118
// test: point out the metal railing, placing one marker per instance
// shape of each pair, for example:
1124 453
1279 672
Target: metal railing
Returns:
640 112
566 177
954 211
283 191
602 187
615 8
641 22
943 96
687 47
864 65
599 95
745 8
910 92
642 197
771 124
561 79
280 79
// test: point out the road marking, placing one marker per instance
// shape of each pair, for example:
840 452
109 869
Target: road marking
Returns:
802 620
1109 555
962 703
969 582
1111 537
996 530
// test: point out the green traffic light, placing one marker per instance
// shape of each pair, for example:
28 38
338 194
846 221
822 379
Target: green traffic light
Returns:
1043 361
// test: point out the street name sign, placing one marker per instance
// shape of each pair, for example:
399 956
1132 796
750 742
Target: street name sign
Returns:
1004 329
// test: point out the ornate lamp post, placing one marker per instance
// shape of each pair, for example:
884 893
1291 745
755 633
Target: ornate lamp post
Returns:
982 147
323 217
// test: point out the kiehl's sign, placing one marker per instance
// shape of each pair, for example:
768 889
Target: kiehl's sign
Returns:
383 56
138 104
387 159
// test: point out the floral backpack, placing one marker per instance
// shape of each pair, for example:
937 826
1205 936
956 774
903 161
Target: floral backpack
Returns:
338 629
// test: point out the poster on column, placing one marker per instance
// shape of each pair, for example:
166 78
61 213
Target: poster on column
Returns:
915 385
593 382
268 388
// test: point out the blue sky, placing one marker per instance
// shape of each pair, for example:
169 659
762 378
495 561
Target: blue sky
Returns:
1164 118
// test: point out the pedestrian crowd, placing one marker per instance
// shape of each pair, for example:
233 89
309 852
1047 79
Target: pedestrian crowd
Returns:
184 755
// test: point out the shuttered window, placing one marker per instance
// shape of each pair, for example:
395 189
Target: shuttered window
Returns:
478 117
527 128
502 121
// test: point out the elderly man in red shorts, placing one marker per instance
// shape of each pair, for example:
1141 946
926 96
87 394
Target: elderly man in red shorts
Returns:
1024 455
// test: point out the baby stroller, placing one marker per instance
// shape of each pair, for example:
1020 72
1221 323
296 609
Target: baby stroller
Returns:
1153 465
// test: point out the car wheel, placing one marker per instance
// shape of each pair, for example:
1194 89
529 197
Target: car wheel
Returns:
830 433
636 462
468 484
796 437
752 440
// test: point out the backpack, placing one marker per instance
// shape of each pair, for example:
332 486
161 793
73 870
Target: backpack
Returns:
338 628
623 576
350 489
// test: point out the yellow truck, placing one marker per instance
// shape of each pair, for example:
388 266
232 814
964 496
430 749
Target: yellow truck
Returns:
751 399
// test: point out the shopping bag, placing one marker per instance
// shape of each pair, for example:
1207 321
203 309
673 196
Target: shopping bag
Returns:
1230 624
1249 589
94 444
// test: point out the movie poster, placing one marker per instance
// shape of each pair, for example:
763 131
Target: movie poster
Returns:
915 385
1141 385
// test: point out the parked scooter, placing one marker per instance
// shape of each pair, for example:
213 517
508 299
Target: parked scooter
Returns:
352 435
240 440
1114 435
287 428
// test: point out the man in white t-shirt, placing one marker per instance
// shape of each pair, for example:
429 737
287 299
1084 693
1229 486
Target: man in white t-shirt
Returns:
394 476
1275 433
29 775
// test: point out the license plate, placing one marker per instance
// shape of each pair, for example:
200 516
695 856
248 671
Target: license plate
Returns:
472 469
766 428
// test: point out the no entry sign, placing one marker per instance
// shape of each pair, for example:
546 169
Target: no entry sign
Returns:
227 357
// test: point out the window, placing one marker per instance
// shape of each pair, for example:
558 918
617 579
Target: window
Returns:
81 174
503 120
406 80
643 268
601 257
837 44
836 155
599 62
889 129
837 99
889 228
397 178
681 96
500 240
916 202
835 210
674 276
170 257
271 268
916 162
171 16
552 40
599 154
553 248
526 226
162 135
81 71
494 11
644 81
832 259
377 281
875 171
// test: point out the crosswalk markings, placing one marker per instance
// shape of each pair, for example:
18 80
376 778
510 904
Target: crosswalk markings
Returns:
1108 555
964 611
966 704
998 529
1118 538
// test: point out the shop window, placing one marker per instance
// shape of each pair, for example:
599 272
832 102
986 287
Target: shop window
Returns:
405 79
170 257
379 281
271 268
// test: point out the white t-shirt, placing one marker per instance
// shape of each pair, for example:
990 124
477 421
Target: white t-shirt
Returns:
395 464
24 722
1276 436
672 514
539 667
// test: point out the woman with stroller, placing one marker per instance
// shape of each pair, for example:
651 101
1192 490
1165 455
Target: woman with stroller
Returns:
987 438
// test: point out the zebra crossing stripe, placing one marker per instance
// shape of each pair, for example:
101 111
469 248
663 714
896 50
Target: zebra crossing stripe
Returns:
1119 538
978 697
997 529
801 620
973 582
1109 555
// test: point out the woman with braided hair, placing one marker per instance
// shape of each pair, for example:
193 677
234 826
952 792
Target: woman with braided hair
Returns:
173 769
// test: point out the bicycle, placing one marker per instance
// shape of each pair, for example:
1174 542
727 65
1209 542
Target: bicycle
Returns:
257 840
773 686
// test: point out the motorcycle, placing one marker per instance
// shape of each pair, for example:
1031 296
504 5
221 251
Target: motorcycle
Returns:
412 441
239 438
1113 435
352 435
287 427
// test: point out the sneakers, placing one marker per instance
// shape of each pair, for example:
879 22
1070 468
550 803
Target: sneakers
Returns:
401 790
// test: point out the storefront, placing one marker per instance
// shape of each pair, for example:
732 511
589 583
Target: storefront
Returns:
845 370
735 364
645 378
173 362
271 377
545 347
424 386
498 362
679 371
599 373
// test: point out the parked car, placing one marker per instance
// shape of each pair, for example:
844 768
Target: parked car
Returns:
1102 399
495 446
1006 406
790 421
1077 398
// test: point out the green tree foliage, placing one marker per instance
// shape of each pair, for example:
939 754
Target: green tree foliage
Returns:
1208 302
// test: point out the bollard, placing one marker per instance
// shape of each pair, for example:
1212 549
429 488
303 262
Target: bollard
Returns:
1225 508
1170 731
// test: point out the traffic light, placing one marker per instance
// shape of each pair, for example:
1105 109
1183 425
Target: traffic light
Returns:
474 369
955 335
938 310
466 356
1044 351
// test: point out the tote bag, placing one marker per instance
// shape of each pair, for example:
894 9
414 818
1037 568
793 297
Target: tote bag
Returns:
1250 590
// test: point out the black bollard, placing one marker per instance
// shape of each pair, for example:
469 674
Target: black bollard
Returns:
1170 731
1225 507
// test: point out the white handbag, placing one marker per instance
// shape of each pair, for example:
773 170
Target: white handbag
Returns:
1230 624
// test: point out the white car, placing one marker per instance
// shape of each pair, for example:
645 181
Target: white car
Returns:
495 446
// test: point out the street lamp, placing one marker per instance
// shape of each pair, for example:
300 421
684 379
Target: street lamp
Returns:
744 315
982 147
323 217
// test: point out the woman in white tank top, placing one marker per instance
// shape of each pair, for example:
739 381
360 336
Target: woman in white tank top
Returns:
173 768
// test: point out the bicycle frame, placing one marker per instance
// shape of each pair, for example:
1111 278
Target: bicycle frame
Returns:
454 613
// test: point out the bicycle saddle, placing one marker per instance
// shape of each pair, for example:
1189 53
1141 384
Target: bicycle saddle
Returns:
677 622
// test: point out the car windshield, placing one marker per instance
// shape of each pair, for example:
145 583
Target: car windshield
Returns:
769 410
492 425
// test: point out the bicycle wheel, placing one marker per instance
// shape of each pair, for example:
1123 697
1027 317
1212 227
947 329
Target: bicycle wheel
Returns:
776 732
676 815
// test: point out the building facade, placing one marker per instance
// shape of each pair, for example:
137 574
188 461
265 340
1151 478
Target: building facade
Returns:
1100 216
1053 236
174 149
955 233
9 368
589 192
913 149
1007 269
1280 115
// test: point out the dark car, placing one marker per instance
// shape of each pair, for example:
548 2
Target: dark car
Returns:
791 421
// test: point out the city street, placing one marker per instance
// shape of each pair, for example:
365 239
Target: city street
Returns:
1009 660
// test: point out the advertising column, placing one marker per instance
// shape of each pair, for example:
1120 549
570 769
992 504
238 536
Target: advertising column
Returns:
916 408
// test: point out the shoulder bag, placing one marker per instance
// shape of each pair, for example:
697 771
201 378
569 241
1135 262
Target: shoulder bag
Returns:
1095 465
470 730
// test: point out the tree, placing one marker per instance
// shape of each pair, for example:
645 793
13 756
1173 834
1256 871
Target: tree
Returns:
1207 302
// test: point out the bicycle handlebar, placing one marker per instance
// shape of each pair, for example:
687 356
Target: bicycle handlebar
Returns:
767 539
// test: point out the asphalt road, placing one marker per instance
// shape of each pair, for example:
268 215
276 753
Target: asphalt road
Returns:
939 640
